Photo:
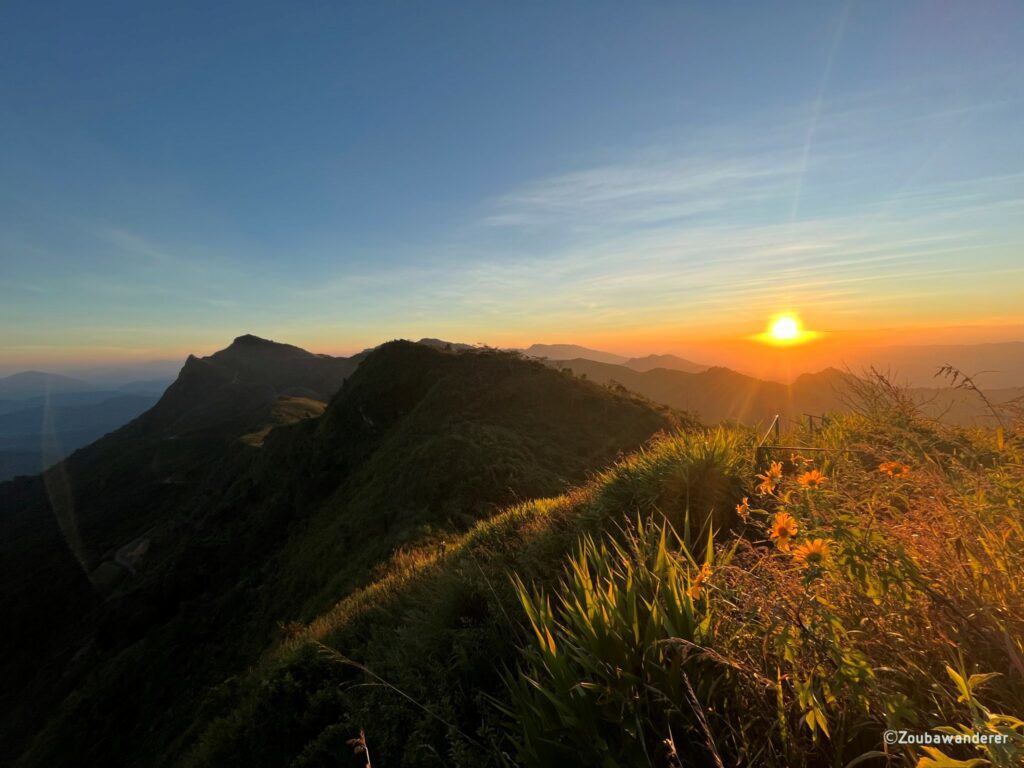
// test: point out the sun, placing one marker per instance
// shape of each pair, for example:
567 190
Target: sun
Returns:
784 330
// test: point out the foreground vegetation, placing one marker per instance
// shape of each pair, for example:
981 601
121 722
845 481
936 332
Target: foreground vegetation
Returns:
699 603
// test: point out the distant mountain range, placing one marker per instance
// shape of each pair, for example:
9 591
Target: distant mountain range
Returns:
670 362
29 384
574 352
997 366
54 414
716 394
569 351
46 416
719 394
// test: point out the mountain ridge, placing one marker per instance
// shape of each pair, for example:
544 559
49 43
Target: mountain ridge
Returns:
564 351
719 394
222 536
671 362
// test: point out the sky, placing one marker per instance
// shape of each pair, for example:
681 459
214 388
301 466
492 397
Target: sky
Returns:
642 177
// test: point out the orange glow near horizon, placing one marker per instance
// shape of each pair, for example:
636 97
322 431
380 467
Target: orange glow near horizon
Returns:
731 345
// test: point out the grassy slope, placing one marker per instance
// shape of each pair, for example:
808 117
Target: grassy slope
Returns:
286 410
442 620
790 664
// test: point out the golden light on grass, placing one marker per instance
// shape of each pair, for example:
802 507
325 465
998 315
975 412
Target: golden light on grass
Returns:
784 330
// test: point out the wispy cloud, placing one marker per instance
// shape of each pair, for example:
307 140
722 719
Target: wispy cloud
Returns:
709 239
641 194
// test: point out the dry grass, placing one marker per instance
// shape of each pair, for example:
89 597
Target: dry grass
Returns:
873 585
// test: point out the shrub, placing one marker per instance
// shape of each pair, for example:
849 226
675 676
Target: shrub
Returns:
855 587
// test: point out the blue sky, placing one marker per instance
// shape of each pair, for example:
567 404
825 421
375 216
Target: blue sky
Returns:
633 175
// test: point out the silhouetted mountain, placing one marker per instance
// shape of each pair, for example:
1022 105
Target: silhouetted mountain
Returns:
671 362
719 394
20 386
570 351
445 345
232 390
163 556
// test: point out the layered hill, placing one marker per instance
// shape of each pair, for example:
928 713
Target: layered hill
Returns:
46 416
45 432
717 395
567 351
169 551
994 366
28 384
671 362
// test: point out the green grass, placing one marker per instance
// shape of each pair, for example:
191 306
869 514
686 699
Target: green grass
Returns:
286 410
600 628
442 623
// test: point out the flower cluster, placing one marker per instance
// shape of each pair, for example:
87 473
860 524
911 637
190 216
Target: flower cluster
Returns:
894 469
784 525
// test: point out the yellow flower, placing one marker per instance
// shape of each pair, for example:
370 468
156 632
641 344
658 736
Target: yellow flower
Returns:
743 509
811 553
812 479
770 478
784 527
894 469
698 581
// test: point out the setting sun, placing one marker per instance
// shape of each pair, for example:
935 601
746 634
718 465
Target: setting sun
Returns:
785 329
